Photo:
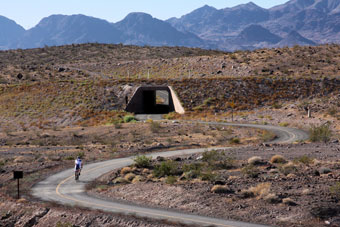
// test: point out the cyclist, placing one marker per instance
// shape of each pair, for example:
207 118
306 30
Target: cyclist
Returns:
78 165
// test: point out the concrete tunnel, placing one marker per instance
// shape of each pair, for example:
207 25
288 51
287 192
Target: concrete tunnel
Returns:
154 100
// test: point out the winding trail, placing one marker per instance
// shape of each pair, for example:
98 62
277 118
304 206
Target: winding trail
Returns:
63 189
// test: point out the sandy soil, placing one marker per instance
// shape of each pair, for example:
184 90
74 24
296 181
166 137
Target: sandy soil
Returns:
44 152
299 194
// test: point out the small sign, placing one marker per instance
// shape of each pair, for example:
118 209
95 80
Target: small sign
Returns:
18 174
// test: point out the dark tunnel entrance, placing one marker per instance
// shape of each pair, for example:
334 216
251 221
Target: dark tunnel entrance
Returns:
156 102
151 100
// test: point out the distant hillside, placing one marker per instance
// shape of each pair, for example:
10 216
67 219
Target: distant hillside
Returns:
316 20
257 34
143 29
294 38
9 32
88 83
60 30
246 26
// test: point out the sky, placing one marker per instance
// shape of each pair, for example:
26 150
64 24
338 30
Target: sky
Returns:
29 13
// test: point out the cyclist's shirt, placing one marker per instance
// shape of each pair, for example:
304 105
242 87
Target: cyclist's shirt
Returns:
77 164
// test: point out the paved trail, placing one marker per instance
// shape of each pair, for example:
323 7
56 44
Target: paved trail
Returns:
63 189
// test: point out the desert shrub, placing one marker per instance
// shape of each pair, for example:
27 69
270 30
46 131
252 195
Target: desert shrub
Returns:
192 170
284 124
208 176
69 158
137 179
120 180
266 136
277 106
250 171
221 189
235 140
2 163
129 177
218 160
166 168
325 170
196 166
129 118
126 170
261 190
102 187
335 190
288 168
155 126
171 179
171 116
255 160
81 154
279 159
322 133
332 111
289 202
142 161
212 156
271 198
226 163
304 160
117 124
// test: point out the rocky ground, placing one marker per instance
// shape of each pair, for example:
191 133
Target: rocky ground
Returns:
40 153
23 213
300 188
60 102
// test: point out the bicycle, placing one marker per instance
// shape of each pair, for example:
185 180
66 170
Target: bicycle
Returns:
77 174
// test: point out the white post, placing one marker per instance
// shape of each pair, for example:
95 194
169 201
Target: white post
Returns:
309 113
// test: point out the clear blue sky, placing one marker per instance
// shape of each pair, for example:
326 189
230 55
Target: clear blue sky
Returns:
28 13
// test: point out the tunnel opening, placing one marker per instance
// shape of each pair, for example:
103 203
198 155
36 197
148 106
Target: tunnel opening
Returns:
154 100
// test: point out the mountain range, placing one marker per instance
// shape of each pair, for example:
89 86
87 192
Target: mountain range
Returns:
246 26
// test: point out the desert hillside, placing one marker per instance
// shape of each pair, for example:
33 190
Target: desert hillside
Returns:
84 84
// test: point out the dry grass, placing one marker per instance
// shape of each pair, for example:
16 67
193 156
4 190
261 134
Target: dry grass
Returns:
278 159
261 190
255 160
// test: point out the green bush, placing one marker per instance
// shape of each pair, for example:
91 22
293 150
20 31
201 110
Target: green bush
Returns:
212 156
267 136
171 180
167 168
322 133
142 161
235 140
2 163
335 190
129 118
81 154
196 166
288 169
304 159
208 176
69 158
250 171
218 160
